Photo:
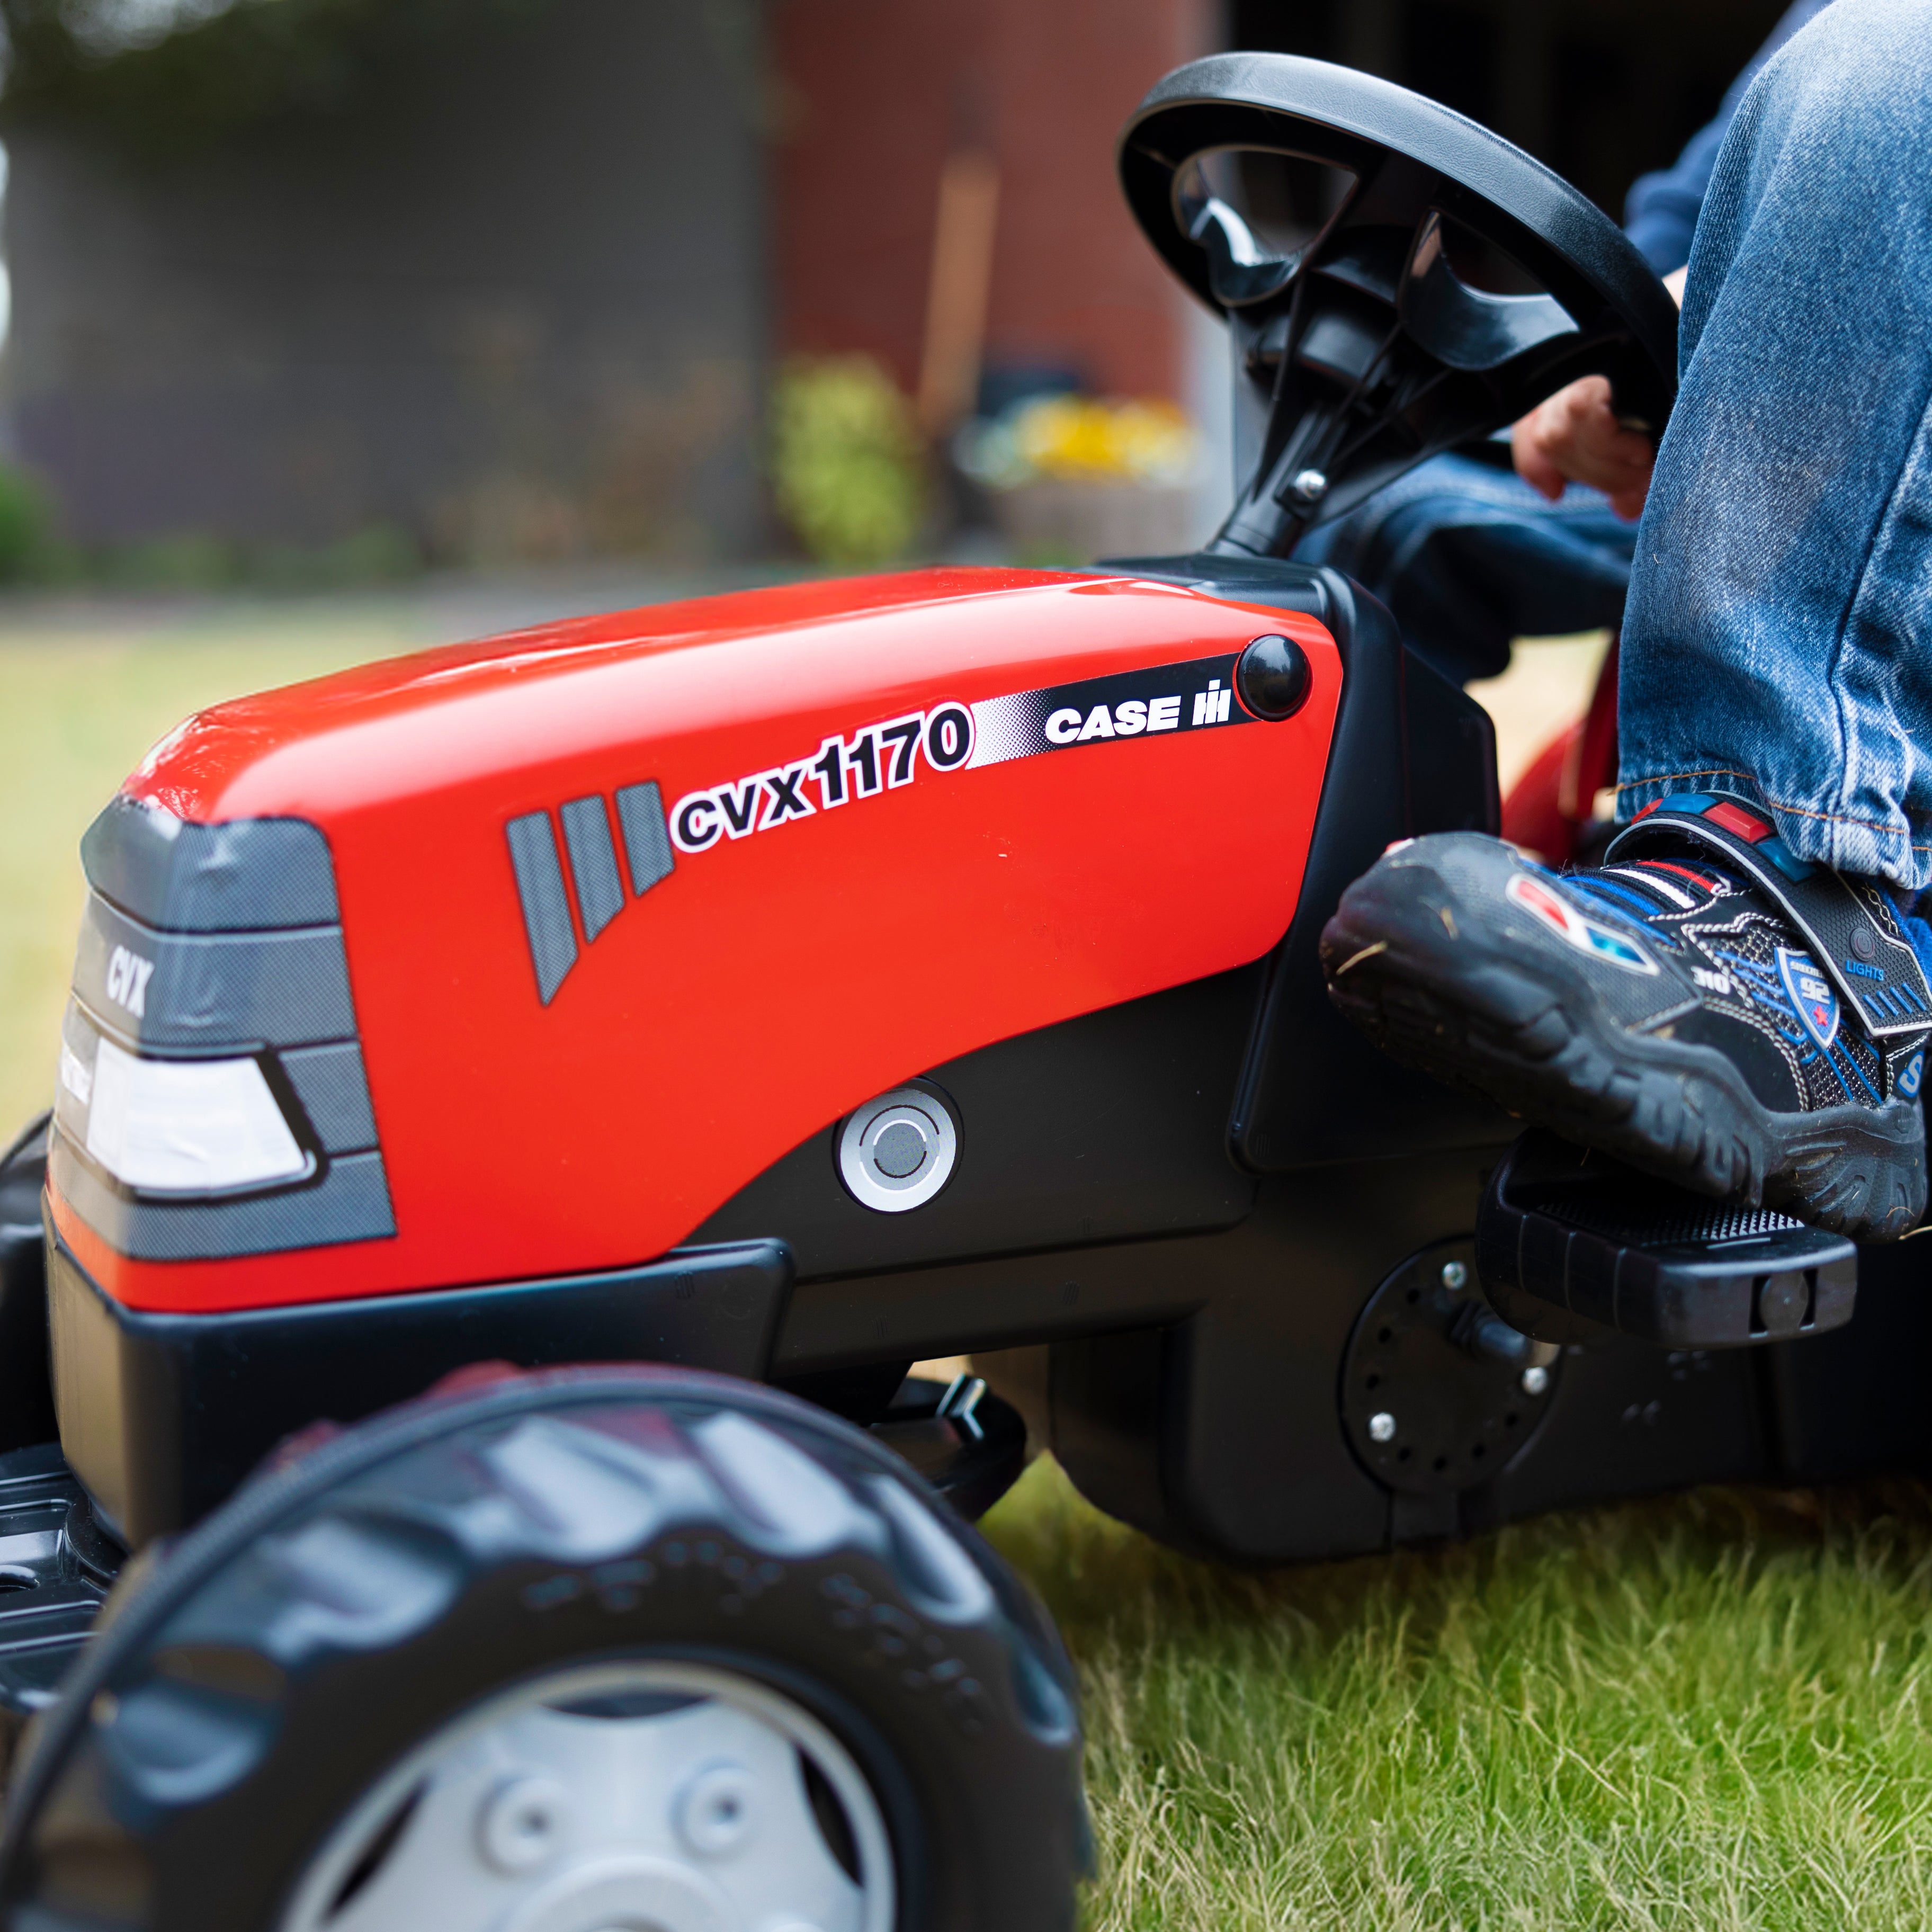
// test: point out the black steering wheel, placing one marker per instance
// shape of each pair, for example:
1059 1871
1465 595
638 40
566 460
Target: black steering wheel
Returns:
1344 226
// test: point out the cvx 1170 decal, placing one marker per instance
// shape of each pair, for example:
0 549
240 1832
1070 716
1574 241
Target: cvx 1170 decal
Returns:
879 758
952 737
949 737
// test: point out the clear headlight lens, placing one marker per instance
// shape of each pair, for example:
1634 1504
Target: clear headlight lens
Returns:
184 1127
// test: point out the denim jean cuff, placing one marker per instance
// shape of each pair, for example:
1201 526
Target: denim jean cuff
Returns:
1634 795
1825 838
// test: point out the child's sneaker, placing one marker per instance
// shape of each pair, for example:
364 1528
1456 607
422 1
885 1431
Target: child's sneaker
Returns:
1705 1006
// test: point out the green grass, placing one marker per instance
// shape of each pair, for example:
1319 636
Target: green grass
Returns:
1703 1712
79 702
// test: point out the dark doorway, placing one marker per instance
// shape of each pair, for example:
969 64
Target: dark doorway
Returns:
1601 91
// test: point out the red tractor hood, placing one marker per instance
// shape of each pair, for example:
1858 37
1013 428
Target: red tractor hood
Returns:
632 906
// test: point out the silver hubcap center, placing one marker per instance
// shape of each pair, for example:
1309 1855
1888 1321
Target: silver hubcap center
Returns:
650 1797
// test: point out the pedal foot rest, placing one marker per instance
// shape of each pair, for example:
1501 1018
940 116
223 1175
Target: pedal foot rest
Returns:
1570 1244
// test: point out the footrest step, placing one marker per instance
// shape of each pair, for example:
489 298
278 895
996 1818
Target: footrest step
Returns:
1571 1244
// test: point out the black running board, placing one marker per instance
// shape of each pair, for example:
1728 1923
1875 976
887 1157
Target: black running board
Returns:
1572 1245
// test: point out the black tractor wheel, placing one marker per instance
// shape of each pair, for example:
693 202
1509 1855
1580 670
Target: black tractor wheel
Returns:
590 1649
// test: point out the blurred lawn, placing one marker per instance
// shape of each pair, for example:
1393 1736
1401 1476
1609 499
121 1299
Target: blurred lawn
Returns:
82 695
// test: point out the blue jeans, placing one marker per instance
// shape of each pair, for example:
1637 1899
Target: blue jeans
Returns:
1778 642
1468 556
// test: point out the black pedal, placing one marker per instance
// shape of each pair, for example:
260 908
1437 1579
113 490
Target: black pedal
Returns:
1572 1245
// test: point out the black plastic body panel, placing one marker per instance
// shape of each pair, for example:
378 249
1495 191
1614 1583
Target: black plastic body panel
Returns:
1411 754
1191 1384
1191 1387
26 1388
163 1416
57 1568
1194 1378
1448 754
1818 1410
1314 1090
1854 1400
1099 1129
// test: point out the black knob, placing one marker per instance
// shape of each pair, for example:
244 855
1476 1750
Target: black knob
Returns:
1273 678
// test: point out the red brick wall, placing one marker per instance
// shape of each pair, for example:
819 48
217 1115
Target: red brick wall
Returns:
874 94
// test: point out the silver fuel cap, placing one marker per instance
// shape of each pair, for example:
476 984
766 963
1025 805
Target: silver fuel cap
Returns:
896 1153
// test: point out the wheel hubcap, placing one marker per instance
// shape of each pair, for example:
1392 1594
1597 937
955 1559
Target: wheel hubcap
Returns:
652 1797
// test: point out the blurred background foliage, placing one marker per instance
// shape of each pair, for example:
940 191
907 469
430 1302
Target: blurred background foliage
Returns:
35 554
175 76
848 464
31 551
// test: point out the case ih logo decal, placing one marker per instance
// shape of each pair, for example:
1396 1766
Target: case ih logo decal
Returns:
955 737
1133 704
949 737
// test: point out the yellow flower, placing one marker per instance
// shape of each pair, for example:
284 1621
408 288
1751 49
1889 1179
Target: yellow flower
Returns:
1132 440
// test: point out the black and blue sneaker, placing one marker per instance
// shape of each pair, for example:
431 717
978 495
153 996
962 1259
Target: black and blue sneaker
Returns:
1706 1005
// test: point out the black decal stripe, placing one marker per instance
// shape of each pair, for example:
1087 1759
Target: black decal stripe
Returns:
593 862
1004 728
546 910
1014 726
646 844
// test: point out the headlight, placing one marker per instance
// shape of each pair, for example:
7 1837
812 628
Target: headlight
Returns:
182 1126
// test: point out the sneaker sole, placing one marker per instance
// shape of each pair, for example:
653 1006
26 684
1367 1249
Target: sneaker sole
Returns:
1528 1031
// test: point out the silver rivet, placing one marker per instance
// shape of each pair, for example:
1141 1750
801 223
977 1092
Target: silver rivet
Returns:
1311 486
715 1810
1535 1381
522 1822
1455 1275
1382 1426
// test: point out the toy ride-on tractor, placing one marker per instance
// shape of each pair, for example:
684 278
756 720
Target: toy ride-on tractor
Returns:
524 1108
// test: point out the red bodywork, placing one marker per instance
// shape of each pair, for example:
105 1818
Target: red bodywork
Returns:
1554 800
770 984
